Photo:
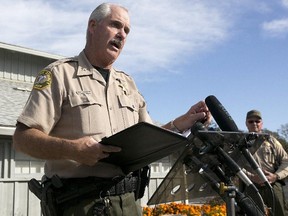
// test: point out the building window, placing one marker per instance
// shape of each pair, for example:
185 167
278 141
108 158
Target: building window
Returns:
26 165
29 167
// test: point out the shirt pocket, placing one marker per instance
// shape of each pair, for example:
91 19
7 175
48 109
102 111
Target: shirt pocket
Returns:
87 112
82 98
129 108
268 154
128 102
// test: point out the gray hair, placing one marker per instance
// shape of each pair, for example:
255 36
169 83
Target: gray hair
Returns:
102 11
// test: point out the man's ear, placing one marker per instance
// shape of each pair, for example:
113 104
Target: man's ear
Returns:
91 25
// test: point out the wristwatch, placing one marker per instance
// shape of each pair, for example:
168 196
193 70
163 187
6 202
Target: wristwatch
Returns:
173 127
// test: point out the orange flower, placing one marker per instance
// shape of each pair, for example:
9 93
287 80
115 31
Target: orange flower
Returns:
187 210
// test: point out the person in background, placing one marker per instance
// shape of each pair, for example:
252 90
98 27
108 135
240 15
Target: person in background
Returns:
77 101
273 160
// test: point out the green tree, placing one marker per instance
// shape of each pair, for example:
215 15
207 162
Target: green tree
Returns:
278 136
284 131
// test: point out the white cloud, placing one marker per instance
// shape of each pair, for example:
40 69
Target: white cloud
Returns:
162 31
165 33
276 28
285 3
39 25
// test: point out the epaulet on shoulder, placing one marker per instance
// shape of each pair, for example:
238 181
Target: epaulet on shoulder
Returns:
121 72
63 60
270 138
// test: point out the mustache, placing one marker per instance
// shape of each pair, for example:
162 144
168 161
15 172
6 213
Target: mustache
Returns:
117 41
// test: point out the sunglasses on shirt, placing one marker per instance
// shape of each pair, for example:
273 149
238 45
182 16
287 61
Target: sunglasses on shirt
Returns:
254 121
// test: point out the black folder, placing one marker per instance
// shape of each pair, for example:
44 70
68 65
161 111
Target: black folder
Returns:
142 144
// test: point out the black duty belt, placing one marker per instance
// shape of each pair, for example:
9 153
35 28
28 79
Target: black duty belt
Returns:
96 187
126 185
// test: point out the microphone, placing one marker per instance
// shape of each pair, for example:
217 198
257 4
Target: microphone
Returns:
220 114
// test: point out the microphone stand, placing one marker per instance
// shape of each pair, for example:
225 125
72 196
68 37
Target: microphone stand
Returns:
244 202
190 161
226 190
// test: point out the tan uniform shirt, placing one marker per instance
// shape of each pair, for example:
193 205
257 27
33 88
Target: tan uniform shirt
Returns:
70 99
272 157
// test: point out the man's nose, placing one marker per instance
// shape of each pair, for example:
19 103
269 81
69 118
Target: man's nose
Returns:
122 34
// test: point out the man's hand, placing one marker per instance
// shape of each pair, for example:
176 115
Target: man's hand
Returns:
271 177
256 179
197 112
89 152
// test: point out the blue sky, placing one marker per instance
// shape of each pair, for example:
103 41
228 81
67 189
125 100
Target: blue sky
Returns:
178 52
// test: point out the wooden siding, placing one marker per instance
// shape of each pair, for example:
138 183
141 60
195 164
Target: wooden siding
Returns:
19 66
17 200
15 197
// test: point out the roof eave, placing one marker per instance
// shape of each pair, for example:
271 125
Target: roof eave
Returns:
7 131
29 51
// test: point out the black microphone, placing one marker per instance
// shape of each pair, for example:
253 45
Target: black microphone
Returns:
220 114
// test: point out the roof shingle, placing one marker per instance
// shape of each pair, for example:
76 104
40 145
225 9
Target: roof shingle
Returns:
14 97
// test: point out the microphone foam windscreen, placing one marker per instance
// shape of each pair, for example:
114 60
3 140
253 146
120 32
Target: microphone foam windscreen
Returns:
220 114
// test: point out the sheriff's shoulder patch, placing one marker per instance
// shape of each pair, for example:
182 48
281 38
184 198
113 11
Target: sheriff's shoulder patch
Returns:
43 80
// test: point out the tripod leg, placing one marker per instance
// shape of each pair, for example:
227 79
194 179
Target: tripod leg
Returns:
230 204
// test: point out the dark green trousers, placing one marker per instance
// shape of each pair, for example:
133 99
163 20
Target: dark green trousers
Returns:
280 208
123 205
